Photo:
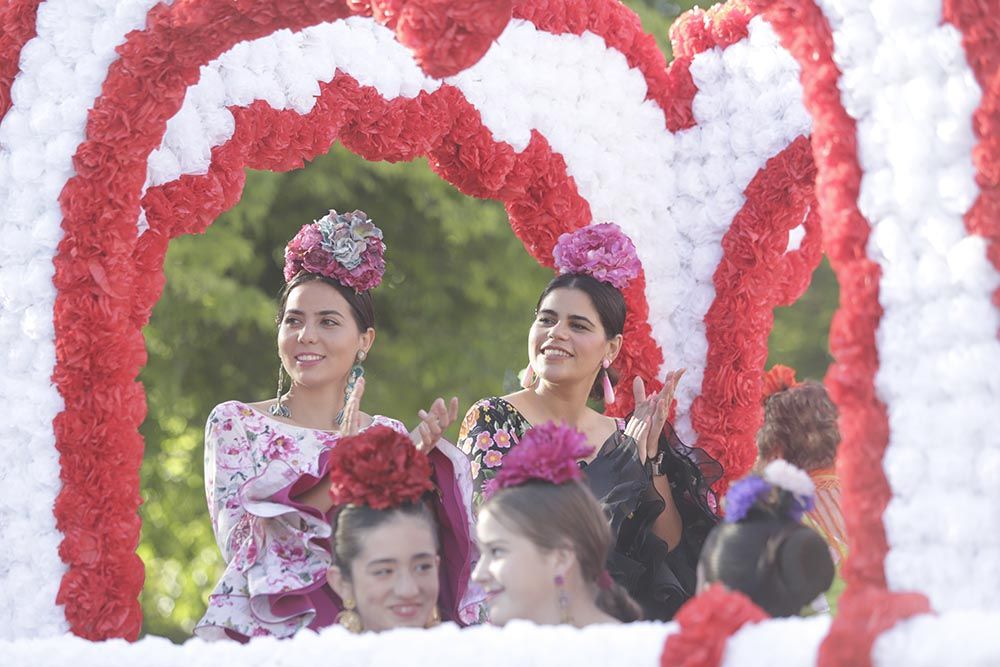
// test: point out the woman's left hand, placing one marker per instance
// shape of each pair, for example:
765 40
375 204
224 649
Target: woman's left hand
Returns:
655 409
434 423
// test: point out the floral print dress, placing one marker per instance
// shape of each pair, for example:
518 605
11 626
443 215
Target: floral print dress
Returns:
660 579
277 550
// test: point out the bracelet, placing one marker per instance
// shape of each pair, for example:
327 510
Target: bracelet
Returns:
657 462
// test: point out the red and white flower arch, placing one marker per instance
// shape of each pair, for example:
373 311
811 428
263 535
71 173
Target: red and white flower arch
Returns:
124 124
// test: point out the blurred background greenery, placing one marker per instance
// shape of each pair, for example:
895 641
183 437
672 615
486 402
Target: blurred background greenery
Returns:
452 315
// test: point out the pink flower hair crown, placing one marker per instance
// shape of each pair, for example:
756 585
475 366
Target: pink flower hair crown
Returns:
346 247
548 453
602 251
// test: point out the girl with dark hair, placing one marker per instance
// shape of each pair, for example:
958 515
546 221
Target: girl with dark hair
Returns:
400 557
544 540
762 549
655 491
265 462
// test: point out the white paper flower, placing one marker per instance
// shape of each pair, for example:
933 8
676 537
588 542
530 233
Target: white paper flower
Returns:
783 474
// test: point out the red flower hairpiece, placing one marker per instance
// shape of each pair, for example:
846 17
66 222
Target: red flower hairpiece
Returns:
379 468
548 453
779 378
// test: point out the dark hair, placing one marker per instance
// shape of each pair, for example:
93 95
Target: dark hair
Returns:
354 521
607 301
361 303
776 561
800 426
554 516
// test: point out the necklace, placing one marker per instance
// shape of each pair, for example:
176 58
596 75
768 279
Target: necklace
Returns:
280 407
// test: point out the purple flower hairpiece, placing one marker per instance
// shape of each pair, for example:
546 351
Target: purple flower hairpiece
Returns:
743 495
346 247
548 452
602 251
789 489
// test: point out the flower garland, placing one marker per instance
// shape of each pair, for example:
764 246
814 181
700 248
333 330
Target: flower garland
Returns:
864 424
111 163
707 622
980 27
541 197
97 433
18 20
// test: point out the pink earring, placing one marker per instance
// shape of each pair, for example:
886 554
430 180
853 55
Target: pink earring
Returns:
529 379
609 392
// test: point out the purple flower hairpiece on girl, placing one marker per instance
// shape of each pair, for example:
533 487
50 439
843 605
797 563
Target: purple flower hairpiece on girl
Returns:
783 486
548 453
602 251
346 247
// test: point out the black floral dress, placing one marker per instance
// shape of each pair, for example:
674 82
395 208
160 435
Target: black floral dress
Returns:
658 578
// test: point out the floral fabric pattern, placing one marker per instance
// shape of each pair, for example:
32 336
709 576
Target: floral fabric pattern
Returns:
273 547
490 428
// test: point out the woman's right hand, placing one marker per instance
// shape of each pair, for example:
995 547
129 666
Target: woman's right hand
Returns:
434 423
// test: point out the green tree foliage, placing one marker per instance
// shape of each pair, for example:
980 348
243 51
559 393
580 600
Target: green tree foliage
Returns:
452 315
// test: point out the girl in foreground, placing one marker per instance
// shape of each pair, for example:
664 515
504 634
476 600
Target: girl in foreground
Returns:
544 539
388 543
762 549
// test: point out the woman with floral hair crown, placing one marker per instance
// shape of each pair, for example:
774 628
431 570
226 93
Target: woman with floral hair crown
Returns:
544 540
265 462
655 490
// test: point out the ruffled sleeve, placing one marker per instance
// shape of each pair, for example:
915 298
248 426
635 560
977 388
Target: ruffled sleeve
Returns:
659 578
228 465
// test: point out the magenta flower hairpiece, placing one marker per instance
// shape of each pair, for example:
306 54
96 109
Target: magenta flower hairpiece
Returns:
602 251
548 453
346 247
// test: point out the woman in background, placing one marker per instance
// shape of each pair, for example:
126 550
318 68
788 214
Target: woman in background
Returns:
266 463
655 490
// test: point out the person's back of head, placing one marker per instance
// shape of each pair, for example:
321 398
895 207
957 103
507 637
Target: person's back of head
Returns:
800 422
763 550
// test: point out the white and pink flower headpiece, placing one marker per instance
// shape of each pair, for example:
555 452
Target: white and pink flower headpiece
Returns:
346 247
602 251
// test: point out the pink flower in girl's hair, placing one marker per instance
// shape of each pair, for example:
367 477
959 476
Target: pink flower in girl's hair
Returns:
602 251
548 453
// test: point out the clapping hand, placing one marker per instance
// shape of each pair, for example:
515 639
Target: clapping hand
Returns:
650 415
350 423
433 423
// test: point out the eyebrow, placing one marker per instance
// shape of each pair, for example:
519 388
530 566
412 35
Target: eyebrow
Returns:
297 311
579 318
393 561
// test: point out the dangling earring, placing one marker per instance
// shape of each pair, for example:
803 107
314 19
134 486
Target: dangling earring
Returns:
350 619
609 392
435 618
564 615
279 409
529 379
357 371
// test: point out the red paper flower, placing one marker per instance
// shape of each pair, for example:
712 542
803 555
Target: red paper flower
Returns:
380 468
707 621
779 378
